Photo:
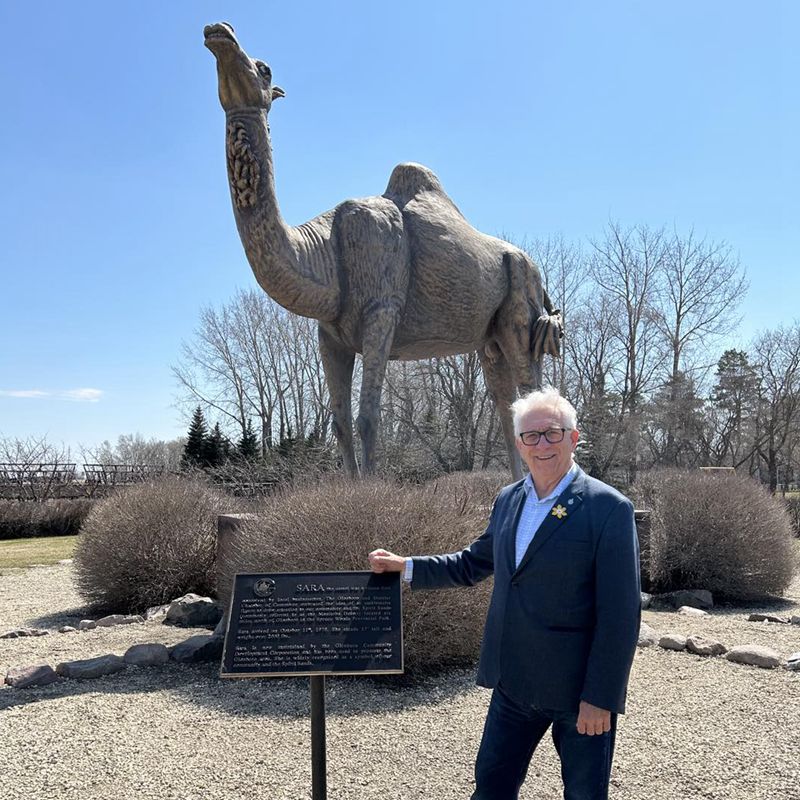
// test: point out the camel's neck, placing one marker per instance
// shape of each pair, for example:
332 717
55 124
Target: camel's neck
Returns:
294 266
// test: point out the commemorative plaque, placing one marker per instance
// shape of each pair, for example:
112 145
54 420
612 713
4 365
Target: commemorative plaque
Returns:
316 623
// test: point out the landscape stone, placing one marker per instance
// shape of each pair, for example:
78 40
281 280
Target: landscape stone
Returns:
146 655
692 612
672 641
701 646
793 662
646 600
795 620
87 625
203 647
119 619
156 612
768 618
193 611
696 598
754 655
18 633
647 636
91 667
35 675
67 629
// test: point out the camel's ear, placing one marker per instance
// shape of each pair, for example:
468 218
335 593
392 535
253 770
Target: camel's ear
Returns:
277 92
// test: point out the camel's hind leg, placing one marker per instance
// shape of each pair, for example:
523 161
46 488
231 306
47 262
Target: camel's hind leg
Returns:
379 326
514 322
338 362
500 383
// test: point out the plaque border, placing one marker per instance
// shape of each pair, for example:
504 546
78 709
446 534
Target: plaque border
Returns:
223 674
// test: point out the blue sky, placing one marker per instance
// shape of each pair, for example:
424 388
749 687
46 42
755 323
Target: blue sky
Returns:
539 118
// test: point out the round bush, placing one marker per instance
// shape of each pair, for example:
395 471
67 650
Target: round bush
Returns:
334 524
724 533
148 544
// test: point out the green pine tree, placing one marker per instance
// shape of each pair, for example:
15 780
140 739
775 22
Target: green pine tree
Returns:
215 448
248 447
194 451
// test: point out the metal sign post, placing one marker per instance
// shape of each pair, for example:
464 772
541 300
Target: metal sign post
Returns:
315 624
319 781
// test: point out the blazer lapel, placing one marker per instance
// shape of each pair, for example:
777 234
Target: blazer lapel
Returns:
570 499
516 504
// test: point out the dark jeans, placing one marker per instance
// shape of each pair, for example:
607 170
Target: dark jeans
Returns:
510 736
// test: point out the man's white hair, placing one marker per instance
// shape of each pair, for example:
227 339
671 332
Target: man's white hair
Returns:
547 398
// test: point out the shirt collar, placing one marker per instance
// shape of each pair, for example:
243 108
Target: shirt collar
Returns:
530 489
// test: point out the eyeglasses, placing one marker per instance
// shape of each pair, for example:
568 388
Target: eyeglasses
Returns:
551 435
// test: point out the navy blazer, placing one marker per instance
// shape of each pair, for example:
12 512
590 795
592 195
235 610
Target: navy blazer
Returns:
563 626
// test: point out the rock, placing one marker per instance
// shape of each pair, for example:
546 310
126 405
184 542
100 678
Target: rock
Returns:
754 655
692 612
87 625
646 600
91 667
118 619
696 598
156 612
67 629
701 646
203 647
672 641
793 662
147 655
64 561
768 618
17 633
192 611
647 636
35 675
795 620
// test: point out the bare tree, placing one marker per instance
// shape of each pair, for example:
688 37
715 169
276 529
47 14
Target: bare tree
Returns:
35 466
136 451
252 358
627 265
777 356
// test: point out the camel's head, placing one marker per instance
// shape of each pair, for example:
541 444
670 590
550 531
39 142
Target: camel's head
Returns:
243 81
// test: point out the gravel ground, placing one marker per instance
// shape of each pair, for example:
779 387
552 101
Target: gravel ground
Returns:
695 728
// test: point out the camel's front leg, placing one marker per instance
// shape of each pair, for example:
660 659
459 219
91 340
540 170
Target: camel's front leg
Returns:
338 362
378 333
500 383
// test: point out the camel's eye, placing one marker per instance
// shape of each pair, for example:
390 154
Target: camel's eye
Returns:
264 70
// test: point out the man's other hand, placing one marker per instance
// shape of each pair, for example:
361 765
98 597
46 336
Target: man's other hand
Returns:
384 561
593 720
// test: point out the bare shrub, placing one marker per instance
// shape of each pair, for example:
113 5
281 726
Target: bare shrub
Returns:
793 508
335 523
724 533
148 544
23 519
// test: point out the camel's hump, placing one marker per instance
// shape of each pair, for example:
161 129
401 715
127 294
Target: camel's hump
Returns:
408 181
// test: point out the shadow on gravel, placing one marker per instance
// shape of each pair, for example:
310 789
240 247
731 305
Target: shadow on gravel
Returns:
277 698
69 616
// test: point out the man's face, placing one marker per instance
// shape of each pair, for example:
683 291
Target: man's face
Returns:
547 462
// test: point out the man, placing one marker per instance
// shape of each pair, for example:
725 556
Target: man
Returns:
564 617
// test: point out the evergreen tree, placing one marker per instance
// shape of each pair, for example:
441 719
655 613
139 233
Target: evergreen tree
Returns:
248 447
215 448
194 451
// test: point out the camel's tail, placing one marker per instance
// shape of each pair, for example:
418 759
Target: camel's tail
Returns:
547 332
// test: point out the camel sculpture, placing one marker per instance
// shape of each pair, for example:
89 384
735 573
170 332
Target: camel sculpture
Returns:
400 276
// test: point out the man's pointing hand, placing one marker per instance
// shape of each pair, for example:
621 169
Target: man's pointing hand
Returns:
384 561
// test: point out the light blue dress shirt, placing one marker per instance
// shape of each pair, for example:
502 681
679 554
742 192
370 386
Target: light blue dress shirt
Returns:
533 515
535 510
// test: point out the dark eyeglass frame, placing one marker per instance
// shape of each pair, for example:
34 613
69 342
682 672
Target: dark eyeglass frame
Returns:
558 432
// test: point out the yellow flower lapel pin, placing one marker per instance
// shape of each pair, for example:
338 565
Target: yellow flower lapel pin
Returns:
559 511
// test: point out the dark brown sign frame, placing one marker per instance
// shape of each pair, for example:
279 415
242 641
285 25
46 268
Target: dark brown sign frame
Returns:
314 624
